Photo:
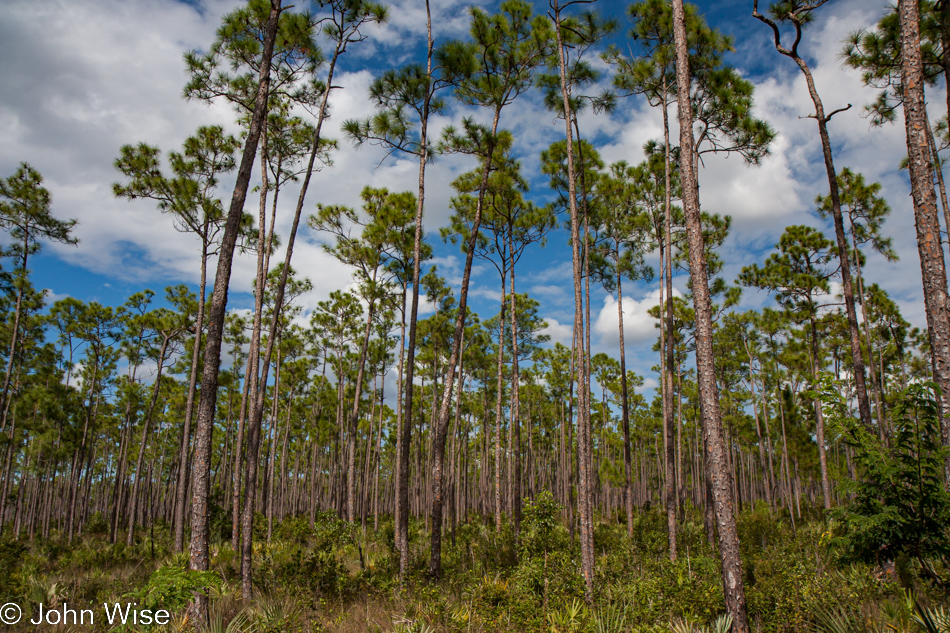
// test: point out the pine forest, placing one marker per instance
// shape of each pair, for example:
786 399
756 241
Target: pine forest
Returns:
543 316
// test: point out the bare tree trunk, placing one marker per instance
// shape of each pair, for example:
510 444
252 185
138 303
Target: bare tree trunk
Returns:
238 472
400 423
499 397
403 441
864 406
758 431
819 420
515 423
146 427
878 396
14 336
184 450
932 267
354 415
706 371
668 439
378 458
455 360
583 408
219 298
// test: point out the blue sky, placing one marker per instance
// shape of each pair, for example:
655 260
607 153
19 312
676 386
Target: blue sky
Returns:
80 78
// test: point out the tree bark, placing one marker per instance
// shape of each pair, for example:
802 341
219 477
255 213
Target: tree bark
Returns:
733 590
146 427
669 449
515 423
864 406
354 414
499 399
932 267
216 316
181 489
583 409
625 411
455 359
403 441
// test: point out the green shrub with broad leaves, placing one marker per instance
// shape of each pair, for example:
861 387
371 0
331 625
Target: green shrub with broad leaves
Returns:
171 587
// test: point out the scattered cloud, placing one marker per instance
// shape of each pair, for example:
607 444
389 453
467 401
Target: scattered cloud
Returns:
559 332
638 325
83 77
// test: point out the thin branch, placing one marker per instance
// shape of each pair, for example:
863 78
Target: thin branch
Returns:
831 114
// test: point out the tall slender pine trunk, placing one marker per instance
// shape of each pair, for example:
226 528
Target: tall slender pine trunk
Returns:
932 267
669 447
219 298
583 407
404 439
717 468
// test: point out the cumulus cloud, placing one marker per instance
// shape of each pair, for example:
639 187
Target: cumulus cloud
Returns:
638 325
559 332
83 77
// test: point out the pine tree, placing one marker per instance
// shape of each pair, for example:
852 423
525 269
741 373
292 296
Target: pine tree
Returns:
716 467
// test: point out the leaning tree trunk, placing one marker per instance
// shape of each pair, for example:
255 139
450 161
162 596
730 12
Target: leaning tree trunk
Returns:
440 431
216 317
252 373
717 468
256 395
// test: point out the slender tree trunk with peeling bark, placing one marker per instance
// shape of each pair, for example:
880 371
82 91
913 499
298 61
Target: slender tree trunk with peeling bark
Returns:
932 266
717 469
797 20
583 407
200 528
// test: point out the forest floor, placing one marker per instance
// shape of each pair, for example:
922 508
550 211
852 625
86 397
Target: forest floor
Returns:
338 578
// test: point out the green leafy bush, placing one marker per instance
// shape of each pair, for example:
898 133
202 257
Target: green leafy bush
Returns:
171 587
539 525
96 525
900 504
11 555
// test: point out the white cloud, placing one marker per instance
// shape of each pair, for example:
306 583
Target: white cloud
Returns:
80 80
83 77
638 325
52 297
561 333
